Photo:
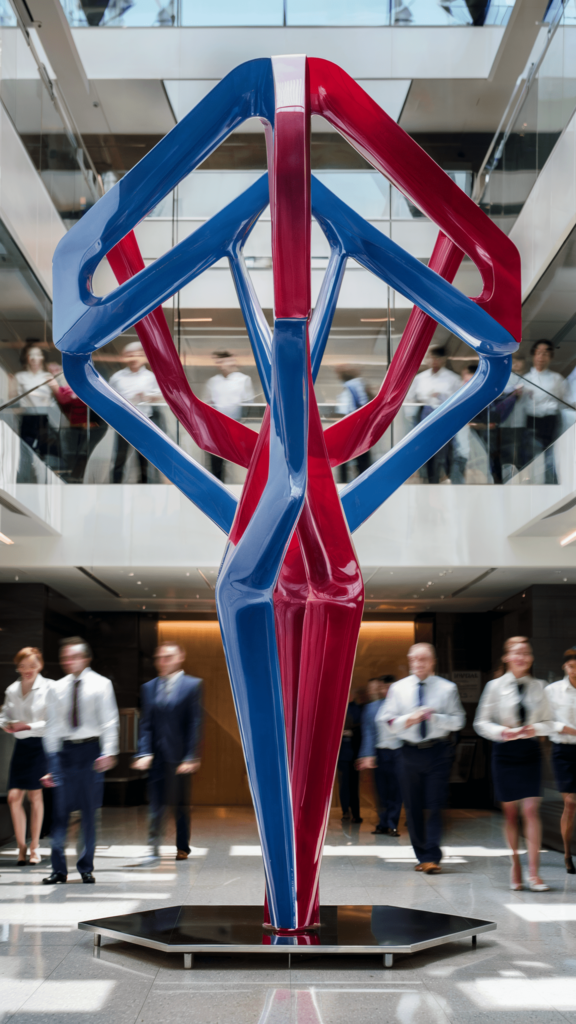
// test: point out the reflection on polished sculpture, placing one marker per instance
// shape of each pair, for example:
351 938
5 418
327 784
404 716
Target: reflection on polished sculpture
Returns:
290 591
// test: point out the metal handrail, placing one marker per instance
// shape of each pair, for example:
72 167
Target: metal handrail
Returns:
13 401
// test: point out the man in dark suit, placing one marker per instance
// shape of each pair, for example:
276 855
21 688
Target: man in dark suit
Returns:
168 745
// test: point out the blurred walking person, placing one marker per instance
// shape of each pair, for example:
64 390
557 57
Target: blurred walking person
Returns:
24 716
169 743
423 710
561 697
228 390
379 750
81 742
513 711
348 778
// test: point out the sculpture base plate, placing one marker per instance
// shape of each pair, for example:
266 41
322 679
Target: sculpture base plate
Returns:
231 929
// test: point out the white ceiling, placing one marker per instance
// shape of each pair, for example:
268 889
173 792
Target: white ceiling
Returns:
412 590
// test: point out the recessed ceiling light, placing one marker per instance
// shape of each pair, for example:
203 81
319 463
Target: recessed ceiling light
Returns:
5 539
153 595
138 583
130 573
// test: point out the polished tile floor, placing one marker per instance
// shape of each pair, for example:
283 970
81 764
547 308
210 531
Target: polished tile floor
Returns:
524 972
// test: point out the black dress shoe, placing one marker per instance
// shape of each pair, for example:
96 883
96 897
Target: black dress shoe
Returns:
571 870
357 821
88 878
392 832
56 878
379 831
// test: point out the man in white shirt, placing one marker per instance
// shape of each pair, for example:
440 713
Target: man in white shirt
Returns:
428 390
423 710
544 394
227 391
81 743
138 385
353 396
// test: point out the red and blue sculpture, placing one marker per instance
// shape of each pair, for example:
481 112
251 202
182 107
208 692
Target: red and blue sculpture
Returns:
290 593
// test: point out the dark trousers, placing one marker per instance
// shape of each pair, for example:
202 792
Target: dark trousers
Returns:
387 787
362 463
541 433
349 788
424 781
122 449
217 467
167 789
79 788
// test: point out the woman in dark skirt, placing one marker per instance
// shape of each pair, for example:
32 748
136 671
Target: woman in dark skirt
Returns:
24 715
513 711
562 700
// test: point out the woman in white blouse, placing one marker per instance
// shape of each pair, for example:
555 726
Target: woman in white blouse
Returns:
562 700
24 715
513 711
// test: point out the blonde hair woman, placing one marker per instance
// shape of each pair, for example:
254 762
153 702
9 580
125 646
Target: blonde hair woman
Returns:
24 716
513 711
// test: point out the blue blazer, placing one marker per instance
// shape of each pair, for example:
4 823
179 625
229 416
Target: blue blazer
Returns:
170 730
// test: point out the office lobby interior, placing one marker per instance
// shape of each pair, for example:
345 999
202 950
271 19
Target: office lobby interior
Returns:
470 546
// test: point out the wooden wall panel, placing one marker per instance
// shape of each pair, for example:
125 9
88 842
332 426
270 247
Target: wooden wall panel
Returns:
222 780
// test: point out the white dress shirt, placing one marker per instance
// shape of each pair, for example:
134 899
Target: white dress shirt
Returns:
499 707
227 394
543 402
385 738
169 682
135 387
42 396
97 713
561 697
440 695
30 709
432 389
352 397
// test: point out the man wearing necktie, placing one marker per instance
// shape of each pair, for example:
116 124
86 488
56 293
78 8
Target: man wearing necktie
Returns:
81 743
169 744
423 710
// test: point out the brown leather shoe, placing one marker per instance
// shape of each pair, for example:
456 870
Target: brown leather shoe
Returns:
431 868
182 855
419 867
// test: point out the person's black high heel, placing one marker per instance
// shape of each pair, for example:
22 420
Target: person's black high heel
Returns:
570 869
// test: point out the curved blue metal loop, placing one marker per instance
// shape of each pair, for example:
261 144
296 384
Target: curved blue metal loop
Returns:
207 493
244 599
361 498
248 91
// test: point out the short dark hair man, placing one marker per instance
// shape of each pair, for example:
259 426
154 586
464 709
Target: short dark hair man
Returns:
378 750
81 742
169 742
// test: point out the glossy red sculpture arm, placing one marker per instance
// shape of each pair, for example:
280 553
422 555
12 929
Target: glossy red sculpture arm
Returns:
333 95
210 429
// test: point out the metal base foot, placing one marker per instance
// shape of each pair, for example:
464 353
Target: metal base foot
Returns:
388 959
188 961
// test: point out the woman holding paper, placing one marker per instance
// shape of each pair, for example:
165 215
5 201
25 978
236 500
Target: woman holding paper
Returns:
24 716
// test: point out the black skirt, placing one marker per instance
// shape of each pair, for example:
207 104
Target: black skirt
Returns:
564 765
516 769
28 764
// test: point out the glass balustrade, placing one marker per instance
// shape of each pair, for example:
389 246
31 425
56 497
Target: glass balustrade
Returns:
293 13
47 435
539 111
